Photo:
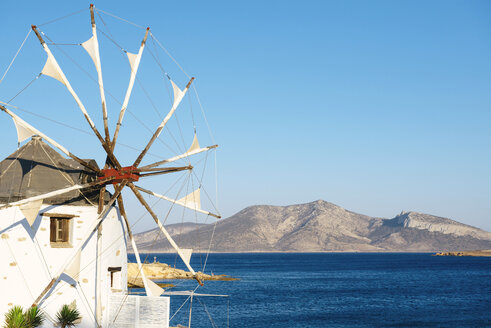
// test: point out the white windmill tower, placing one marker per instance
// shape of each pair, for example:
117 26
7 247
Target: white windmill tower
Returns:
63 237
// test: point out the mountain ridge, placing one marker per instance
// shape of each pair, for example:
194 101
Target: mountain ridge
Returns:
321 226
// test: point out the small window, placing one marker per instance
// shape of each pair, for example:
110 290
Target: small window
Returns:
115 278
60 231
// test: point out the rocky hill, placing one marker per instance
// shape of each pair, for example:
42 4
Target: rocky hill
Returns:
321 226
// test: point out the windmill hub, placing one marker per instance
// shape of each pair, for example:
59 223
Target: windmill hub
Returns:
129 173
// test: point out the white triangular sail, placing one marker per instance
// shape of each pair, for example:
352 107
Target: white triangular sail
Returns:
73 269
52 69
192 200
31 210
24 130
28 130
90 46
132 59
178 95
186 255
152 289
194 146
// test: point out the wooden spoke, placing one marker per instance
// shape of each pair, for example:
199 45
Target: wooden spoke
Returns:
99 75
163 170
174 201
102 193
123 214
151 288
56 193
178 157
134 69
159 129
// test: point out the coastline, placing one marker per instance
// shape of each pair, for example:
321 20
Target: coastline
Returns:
319 252
482 253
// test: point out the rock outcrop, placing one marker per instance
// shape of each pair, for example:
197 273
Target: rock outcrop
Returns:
485 253
162 271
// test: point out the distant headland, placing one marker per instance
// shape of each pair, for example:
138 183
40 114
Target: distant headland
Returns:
319 226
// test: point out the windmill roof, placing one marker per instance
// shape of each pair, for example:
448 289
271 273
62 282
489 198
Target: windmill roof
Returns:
36 169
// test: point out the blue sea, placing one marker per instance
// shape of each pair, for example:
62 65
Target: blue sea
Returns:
337 290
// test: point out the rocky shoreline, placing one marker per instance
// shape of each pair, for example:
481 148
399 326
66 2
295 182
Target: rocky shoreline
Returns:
486 253
163 271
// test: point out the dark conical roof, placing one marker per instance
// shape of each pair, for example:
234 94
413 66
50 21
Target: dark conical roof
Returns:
36 169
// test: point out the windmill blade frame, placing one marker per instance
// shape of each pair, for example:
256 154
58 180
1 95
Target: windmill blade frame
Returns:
92 216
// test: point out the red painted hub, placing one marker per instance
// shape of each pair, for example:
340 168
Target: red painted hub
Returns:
129 173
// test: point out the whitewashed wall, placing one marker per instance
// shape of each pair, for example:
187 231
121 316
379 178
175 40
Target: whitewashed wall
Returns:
28 262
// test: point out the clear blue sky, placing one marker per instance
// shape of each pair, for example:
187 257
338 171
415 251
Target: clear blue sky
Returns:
377 106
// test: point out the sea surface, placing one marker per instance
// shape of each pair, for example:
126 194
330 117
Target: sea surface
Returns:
336 290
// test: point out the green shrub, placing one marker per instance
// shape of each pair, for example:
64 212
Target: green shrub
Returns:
16 317
34 317
67 316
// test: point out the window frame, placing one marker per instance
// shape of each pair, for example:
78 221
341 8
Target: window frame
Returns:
61 230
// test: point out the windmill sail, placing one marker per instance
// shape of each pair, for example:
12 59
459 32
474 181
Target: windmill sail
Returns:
186 253
193 200
24 131
51 69
194 146
31 210
132 59
90 46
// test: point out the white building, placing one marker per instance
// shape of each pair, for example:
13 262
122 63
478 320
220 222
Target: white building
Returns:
39 238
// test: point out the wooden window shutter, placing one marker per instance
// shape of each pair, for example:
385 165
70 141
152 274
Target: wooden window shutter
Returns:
65 229
52 230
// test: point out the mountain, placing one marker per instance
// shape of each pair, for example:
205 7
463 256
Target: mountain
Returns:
317 227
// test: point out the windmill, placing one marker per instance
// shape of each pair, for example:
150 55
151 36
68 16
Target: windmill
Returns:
32 205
